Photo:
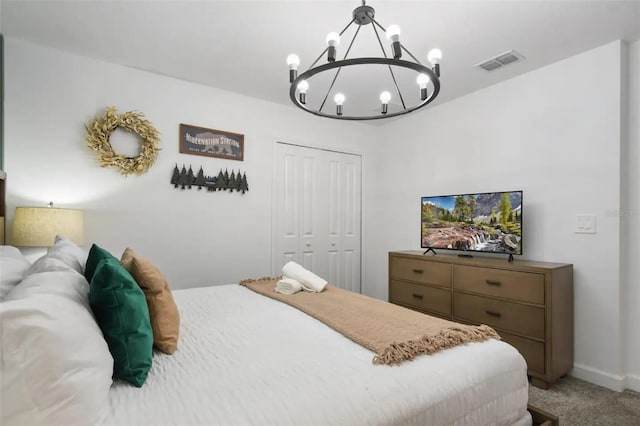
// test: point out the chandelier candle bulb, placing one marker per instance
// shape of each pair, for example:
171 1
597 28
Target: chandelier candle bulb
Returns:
339 100
434 57
423 80
293 61
303 86
393 35
385 97
333 40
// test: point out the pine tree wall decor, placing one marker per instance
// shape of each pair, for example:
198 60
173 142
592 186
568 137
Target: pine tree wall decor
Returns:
185 179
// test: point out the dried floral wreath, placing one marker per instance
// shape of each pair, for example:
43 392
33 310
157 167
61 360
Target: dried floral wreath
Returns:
100 128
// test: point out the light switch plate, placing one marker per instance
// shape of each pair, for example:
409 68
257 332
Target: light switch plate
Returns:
585 224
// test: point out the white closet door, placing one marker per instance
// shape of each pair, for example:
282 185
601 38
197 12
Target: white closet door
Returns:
317 213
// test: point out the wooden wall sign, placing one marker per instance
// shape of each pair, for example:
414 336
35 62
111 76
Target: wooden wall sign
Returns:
211 142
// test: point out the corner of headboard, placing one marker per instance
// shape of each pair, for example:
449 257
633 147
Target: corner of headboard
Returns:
3 206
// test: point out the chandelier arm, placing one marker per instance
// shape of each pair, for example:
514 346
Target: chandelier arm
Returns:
329 91
401 45
384 53
397 88
316 61
340 68
389 66
410 54
326 48
345 28
351 44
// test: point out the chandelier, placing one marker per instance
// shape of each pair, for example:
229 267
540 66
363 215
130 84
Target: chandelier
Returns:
427 78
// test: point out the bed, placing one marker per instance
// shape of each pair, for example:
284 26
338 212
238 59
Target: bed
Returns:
244 358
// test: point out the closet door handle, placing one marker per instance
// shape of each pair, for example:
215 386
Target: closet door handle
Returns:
418 296
418 271
493 313
492 282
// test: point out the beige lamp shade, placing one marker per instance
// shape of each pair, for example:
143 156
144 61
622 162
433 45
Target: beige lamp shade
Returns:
38 226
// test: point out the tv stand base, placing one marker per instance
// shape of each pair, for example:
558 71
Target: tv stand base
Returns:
428 250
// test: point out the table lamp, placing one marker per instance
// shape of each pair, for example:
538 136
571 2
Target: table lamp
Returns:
38 226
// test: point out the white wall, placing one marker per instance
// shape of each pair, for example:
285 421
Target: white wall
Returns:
630 227
195 237
554 133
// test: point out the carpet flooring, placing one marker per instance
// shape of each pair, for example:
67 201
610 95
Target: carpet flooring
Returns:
577 402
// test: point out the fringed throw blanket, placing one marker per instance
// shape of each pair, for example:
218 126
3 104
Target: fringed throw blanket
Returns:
394 333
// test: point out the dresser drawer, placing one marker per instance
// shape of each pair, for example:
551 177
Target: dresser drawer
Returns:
424 272
421 297
531 350
514 317
521 286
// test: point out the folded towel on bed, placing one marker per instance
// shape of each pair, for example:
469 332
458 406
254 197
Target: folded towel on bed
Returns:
288 286
309 280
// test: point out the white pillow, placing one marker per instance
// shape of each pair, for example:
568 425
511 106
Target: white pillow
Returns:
56 367
13 266
47 263
68 252
73 249
62 282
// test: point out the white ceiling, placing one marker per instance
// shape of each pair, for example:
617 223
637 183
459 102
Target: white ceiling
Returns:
241 46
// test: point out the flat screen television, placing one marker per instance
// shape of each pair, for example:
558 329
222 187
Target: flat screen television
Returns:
486 222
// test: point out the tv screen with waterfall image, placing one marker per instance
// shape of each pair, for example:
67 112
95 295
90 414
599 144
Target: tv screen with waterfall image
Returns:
486 222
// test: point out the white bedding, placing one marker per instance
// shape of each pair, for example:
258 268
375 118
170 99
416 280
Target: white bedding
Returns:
243 358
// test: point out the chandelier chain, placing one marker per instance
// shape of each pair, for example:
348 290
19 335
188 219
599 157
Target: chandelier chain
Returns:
340 68
389 66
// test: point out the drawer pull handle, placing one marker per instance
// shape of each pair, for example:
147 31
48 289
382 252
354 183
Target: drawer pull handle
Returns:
418 271
418 296
492 282
493 313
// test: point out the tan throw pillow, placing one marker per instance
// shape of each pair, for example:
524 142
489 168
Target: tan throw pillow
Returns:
165 319
127 258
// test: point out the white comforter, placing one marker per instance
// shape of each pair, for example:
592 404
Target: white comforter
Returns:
246 359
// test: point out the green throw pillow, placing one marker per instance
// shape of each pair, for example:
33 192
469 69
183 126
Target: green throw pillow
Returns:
121 311
96 254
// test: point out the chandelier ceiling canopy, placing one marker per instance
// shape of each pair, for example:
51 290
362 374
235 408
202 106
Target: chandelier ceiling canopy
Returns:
312 89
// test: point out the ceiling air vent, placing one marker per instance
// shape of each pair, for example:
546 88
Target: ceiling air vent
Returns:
500 61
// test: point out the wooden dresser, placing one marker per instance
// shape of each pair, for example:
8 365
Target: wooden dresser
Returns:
530 304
